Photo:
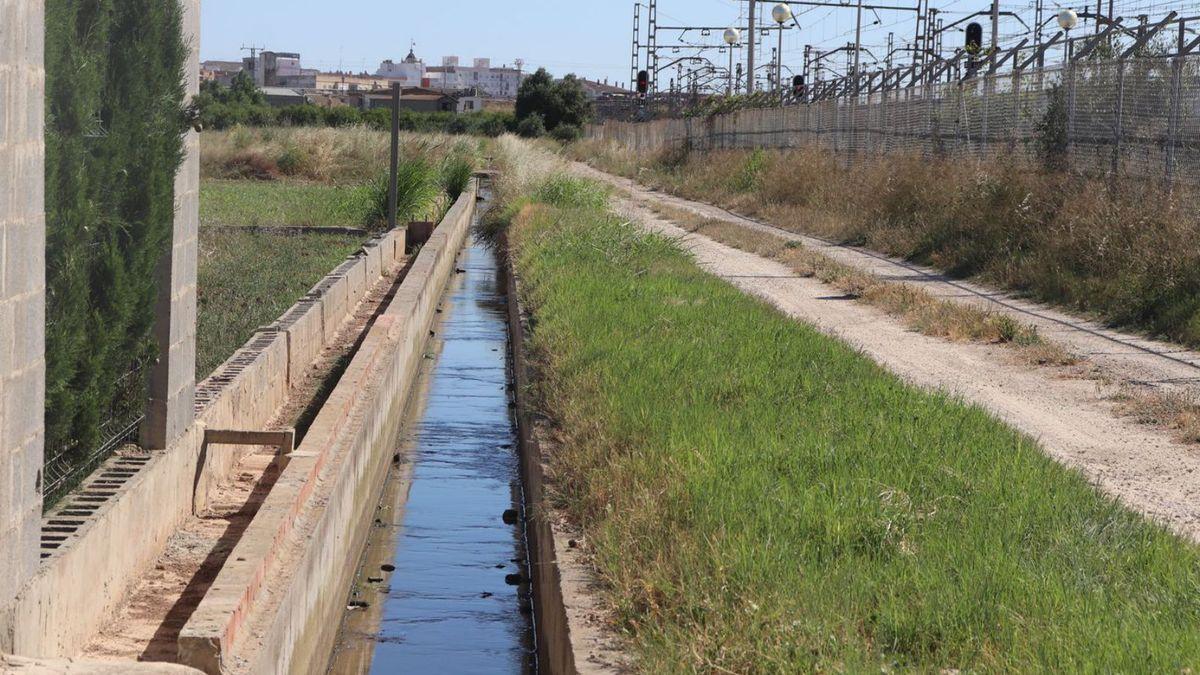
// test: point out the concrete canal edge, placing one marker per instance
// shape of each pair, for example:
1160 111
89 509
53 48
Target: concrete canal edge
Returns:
276 604
571 637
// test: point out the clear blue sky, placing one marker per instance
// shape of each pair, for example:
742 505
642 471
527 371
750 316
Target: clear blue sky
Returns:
588 37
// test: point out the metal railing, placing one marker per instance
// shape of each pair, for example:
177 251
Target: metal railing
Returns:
1134 115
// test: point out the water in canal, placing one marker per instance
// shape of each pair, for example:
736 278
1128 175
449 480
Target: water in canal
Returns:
437 577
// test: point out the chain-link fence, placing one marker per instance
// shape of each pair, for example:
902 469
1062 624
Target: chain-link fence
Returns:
1136 117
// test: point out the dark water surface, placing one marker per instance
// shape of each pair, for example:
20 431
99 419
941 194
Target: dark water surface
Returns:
448 606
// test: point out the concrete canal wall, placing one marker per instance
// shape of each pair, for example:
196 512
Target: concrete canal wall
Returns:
107 535
276 604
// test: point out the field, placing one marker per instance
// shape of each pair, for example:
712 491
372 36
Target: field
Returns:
759 497
299 177
248 279
1125 252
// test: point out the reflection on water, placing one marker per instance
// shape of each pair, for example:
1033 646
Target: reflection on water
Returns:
448 606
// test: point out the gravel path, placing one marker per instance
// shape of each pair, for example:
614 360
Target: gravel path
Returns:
1072 418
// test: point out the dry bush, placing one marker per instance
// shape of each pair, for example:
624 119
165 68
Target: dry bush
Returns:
249 164
1124 251
319 154
913 305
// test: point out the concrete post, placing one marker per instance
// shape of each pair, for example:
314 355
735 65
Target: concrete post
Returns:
22 291
173 376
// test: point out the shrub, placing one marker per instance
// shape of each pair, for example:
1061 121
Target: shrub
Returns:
456 174
570 192
250 164
493 126
294 160
417 191
305 115
566 133
342 116
531 127
109 207
562 102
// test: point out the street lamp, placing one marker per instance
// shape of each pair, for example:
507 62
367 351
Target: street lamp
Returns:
732 37
1067 19
782 14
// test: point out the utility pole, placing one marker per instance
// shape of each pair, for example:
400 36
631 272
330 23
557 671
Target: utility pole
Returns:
858 37
652 54
918 47
637 43
995 27
1038 15
395 157
753 40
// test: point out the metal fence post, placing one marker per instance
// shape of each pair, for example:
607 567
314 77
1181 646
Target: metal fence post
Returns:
1173 118
1070 73
1116 154
986 102
1016 94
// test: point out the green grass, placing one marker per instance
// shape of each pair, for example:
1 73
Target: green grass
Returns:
248 279
762 498
274 203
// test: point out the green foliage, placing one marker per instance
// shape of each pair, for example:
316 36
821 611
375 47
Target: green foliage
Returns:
304 115
750 176
557 103
566 133
342 116
1051 134
566 191
283 203
417 191
114 125
760 497
532 126
720 105
247 279
241 104
456 173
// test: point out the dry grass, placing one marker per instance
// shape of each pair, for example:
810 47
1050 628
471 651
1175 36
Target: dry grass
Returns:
916 307
1125 252
325 155
1176 411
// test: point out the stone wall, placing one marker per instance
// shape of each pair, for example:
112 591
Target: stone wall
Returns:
22 290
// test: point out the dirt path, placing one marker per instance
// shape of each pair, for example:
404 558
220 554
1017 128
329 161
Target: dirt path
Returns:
147 627
1072 418
1131 359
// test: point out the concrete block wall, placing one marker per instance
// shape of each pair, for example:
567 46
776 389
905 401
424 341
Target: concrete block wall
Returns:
344 456
22 291
83 583
171 409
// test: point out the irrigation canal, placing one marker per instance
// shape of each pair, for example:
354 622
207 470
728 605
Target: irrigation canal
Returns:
442 584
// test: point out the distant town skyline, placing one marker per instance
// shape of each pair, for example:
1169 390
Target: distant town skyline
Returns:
591 39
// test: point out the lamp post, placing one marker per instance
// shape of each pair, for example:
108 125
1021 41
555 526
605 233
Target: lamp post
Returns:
1067 19
782 13
732 37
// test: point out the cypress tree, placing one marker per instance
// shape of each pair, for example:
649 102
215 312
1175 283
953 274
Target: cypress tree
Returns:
114 130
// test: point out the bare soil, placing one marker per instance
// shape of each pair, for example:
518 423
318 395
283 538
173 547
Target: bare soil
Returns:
1078 421
148 624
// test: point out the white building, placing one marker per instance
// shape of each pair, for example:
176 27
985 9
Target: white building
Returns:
409 73
491 82
501 82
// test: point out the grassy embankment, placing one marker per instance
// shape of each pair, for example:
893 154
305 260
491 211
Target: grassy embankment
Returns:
299 177
760 498
1125 252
